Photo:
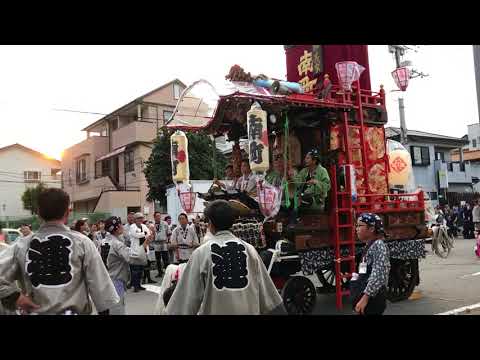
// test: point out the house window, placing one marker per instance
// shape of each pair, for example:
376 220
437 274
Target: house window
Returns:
129 164
176 91
54 173
433 195
167 115
420 155
106 167
32 176
81 170
474 143
440 156
114 124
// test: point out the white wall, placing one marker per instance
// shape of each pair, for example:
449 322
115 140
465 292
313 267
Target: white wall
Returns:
13 162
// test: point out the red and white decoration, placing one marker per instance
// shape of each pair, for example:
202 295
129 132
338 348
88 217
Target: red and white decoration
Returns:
269 199
401 76
348 72
187 197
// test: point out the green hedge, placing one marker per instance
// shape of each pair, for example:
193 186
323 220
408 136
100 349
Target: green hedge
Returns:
35 221
92 217
16 223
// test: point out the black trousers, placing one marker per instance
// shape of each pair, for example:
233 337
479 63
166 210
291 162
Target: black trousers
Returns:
163 261
146 272
468 230
136 271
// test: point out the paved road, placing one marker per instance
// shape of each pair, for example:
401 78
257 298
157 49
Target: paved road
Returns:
445 284
142 303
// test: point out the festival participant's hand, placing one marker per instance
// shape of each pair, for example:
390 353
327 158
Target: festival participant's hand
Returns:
25 304
362 304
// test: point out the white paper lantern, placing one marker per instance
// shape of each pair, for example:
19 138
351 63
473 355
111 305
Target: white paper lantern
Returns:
179 154
257 139
400 167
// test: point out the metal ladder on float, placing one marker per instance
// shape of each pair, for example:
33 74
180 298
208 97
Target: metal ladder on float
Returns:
343 214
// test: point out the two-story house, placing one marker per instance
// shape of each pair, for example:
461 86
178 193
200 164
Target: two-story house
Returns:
104 173
433 168
21 168
471 154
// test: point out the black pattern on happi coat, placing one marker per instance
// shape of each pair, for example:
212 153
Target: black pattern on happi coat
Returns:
104 251
229 266
48 262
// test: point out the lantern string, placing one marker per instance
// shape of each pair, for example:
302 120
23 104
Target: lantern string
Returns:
214 160
285 162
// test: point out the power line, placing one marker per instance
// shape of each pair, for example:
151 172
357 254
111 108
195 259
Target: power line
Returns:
120 116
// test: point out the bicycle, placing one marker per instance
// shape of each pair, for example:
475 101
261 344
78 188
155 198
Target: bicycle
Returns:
442 241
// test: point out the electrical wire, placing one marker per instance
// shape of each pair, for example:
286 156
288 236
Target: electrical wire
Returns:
120 116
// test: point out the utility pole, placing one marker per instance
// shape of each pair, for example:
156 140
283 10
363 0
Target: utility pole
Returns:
399 51
476 62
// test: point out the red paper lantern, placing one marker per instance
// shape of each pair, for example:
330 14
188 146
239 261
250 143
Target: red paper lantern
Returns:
187 200
269 199
401 76
348 72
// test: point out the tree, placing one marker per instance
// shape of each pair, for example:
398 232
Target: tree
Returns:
158 168
30 198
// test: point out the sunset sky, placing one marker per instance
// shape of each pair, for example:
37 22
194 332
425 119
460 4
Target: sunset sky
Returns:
34 80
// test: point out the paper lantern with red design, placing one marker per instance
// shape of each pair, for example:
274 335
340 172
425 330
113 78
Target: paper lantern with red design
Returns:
269 199
348 72
179 155
401 76
400 164
187 198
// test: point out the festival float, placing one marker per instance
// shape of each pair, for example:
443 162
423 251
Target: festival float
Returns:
326 103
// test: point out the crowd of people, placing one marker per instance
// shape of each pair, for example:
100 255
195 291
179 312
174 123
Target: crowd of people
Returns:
63 270
465 217
204 268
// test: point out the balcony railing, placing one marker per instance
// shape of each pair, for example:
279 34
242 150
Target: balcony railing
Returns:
120 188
133 132
82 180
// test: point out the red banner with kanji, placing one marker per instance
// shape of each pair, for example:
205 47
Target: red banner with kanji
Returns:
306 64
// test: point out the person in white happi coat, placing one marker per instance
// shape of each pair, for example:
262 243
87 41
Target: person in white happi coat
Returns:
247 182
126 228
61 269
138 235
4 246
150 255
231 180
101 233
173 273
224 276
26 230
184 240
118 259
162 233
168 220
